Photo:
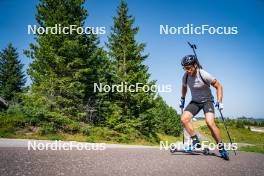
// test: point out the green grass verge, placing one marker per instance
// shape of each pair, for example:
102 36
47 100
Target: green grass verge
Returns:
107 136
257 149
10 126
14 126
238 135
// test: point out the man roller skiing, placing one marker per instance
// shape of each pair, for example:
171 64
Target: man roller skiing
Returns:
199 81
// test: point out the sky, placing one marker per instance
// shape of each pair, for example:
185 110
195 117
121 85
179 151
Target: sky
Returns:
235 60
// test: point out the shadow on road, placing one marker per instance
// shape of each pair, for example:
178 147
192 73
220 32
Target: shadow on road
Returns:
194 153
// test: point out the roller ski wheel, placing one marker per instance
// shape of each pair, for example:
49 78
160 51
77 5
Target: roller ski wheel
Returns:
206 151
173 149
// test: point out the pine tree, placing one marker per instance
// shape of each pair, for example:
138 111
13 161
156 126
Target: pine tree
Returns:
127 57
65 66
12 77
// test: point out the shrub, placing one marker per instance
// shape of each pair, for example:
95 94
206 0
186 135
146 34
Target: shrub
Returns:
15 109
86 130
48 128
239 124
35 106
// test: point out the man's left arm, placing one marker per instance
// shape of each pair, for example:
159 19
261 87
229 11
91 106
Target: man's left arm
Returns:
219 92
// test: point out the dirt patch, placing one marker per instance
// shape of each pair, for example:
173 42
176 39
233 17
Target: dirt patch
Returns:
29 130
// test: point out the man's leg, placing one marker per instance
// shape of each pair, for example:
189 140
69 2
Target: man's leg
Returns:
209 118
186 121
191 110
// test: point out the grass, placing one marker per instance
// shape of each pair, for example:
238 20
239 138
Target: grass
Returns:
257 149
95 135
16 127
238 135
170 139
79 137
91 134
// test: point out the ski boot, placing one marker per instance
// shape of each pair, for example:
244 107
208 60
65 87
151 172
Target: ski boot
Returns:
223 152
195 144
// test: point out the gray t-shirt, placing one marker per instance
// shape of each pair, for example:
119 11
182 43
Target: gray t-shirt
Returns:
200 91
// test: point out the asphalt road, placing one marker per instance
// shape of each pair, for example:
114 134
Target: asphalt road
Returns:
123 160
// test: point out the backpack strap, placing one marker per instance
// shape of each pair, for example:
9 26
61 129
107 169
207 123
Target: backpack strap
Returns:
186 79
203 79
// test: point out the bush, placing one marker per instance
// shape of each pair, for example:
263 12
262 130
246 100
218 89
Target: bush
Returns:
15 121
7 131
62 122
36 110
100 134
15 109
86 130
128 127
240 124
48 128
73 127
35 106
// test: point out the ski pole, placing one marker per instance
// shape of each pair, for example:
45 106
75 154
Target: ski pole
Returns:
182 128
193 46
226 129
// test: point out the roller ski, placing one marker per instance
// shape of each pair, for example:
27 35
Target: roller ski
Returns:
191 150
195 147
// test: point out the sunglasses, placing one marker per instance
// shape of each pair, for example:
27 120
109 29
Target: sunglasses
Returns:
187 68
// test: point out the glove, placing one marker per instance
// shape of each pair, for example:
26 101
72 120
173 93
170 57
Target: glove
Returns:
182 102
219 105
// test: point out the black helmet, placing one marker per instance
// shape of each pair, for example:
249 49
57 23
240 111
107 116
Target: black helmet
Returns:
189 60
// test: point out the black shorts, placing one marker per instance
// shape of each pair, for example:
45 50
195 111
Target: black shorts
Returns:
194 107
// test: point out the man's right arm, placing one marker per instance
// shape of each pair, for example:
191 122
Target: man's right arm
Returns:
184 91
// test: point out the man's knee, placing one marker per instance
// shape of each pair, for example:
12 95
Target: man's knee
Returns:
184 120
209 119
186 117
211 124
